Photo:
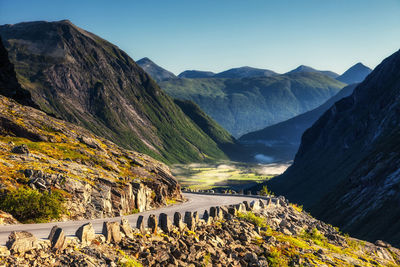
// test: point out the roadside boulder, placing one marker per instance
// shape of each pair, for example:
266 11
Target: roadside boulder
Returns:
112 232
165 223
178 221
140 224
189 220
21 242
126 228
152 223
57 238
86 234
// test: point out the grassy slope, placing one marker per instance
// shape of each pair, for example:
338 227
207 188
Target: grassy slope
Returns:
244 105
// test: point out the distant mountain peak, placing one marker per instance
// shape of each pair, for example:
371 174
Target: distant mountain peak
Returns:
196 74
245 72
155 71
355 74
304 68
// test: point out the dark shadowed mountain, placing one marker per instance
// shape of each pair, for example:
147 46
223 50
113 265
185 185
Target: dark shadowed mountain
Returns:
303 68
9 85
193 74
156 72
249 104
346 171
355 74
281 141
245 72
82 78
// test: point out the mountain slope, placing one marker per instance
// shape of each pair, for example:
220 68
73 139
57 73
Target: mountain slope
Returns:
285 137
9 85
244 72
87 176
249 104
196 74
303 68
156 72
347 168
355 74
84 79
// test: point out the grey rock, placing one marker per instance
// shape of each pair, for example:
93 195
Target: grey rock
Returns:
22 149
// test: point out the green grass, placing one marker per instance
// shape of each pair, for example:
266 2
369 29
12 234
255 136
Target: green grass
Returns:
251 217
209 176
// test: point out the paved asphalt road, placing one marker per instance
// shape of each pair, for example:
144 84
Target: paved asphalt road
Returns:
196 202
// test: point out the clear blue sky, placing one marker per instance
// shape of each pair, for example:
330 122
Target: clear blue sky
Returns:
219 34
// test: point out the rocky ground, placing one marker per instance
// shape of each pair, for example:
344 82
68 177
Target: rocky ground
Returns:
262 233
94 177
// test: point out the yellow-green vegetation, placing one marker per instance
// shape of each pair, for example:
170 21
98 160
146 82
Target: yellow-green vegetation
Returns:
251 217
266 192
297 207
306 244
206 259
128 261
223 174
28 205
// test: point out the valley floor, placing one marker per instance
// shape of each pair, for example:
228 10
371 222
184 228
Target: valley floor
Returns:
226 175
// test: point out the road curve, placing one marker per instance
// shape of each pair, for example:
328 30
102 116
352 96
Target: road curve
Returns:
196 202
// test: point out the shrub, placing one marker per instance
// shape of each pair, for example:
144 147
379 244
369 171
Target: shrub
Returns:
28 205
266 192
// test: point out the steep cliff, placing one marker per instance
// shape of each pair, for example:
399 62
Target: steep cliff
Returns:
82 78
346 171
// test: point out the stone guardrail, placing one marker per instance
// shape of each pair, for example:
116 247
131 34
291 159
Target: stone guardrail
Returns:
113 232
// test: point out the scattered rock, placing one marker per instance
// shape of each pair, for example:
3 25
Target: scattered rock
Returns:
22 149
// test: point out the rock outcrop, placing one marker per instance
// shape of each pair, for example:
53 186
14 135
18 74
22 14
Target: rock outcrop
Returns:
96 177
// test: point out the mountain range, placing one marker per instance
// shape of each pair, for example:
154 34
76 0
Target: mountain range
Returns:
355 74
346 171
242 105
82 78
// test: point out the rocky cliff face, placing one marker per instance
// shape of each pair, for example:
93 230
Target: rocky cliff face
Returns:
96 177
347 168
9 85
86 80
